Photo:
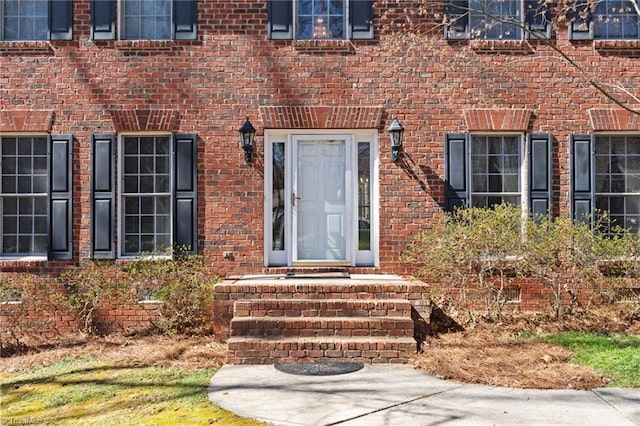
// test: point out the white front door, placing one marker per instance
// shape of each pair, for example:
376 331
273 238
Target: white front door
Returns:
321 225
321 205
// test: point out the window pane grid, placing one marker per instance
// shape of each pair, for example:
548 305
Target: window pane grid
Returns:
25 19
320 19
495 174
147 19
23 196
614 19
618 180
495 19
146 195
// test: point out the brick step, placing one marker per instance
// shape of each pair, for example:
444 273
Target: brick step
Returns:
353 289
322 308
248 350
322 326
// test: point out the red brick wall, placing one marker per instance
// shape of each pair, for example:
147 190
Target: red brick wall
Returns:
232 70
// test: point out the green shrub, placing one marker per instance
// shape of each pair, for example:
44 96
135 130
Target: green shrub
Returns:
87 289
183 285
27 311
478 252
475 252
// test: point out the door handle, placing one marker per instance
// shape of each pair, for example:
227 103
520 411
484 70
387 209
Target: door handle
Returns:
294 198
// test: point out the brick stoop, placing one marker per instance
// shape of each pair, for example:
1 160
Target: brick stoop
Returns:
317 319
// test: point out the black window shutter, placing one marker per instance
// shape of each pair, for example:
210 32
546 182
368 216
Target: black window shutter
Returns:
540 174
580 21
581 153
186 192
361 19
457 12
103 196
60 196
103 19
456 187
538 19
61 19
185 19
280 22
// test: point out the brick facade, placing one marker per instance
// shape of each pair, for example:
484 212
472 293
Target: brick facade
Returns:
233 70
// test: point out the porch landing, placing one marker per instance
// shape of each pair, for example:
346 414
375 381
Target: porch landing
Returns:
317 317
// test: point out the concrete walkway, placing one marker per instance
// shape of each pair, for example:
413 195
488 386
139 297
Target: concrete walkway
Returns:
401 395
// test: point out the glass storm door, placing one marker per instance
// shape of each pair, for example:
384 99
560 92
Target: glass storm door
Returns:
319 199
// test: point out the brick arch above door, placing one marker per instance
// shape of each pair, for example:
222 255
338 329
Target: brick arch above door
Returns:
321 117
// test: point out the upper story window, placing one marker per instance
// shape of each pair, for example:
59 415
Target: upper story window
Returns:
35 20
143 19
606 20
607 178
146 20
497 19
320 19
35 196
486 170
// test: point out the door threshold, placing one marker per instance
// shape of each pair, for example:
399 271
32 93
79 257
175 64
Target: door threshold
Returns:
322 275
319 264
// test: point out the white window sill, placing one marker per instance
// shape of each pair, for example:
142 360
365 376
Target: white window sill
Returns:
23 259
150 302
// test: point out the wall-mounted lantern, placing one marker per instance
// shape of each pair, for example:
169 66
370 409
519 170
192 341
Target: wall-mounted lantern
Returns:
395 134
247 133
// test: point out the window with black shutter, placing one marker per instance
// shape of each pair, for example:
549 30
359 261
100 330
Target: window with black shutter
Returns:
320 19
144 20
155 194
497 19
36 20
605 179
36 196
485 170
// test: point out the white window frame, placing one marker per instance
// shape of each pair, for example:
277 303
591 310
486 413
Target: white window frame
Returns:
490 20
122 25
524 165
611 20
121 195
28 256
345 23
2 8
594 177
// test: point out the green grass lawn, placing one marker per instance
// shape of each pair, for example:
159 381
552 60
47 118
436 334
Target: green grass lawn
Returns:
614 356
86 391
